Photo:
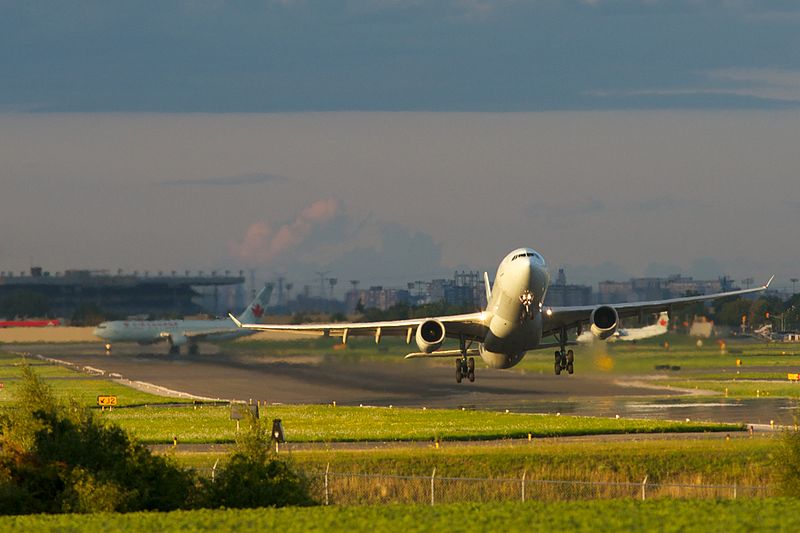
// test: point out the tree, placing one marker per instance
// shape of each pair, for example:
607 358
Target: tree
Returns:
254 476
87 314
57 457
731 312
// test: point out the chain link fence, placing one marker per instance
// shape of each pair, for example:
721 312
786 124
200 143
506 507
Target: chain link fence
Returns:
354 489
340 488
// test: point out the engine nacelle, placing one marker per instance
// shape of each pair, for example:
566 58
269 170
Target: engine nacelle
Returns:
430 336
604 321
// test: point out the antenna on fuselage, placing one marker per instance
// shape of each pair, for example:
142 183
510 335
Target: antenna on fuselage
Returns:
488 287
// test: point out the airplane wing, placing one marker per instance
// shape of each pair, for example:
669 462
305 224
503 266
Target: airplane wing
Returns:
556 318
469 325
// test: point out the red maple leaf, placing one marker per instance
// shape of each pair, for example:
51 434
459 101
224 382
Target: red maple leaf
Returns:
258 311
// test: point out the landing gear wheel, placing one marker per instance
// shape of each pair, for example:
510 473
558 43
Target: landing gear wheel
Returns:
459 375
558 368
570 357
570 368
194 349
174 350
471 369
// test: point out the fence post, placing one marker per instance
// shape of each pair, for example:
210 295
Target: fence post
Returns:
433 476
734 490
524 473
327 469
644 484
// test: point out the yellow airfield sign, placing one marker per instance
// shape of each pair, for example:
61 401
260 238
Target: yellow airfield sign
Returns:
106 401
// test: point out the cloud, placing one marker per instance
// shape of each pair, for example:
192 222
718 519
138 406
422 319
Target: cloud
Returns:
764 84
263 243
227 181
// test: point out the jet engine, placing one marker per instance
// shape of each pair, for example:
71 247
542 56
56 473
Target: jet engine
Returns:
604 321
430 336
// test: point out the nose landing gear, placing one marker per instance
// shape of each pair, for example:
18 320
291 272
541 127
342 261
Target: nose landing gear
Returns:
465 366
526 299
565 359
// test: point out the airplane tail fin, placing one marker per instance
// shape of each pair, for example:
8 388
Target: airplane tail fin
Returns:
257 307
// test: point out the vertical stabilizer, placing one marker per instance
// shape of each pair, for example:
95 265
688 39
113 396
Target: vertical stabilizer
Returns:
257 307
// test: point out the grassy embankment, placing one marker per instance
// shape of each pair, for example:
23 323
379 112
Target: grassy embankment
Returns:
614 515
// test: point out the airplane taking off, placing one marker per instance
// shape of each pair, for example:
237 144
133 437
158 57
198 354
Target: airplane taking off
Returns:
515 320
180 332
632 334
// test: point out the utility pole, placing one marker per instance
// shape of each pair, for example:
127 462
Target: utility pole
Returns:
332 282
794 282
322 282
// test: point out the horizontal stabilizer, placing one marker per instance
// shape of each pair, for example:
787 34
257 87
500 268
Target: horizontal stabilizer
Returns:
442 353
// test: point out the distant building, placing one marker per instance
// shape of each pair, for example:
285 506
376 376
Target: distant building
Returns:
560 294
126 294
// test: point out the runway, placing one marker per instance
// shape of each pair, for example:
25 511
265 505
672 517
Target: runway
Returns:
327 379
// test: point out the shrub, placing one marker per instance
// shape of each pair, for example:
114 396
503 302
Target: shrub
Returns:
254 476
59 457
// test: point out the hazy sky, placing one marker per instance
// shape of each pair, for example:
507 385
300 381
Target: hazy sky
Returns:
392 140
433 55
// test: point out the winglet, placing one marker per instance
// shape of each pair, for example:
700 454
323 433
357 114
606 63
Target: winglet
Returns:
235 320
770 281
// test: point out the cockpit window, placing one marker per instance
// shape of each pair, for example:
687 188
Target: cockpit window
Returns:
536 256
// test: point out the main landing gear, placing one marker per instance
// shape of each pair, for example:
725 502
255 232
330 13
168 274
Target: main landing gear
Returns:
465 366
565 359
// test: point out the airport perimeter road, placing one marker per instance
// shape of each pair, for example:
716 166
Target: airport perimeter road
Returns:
409 383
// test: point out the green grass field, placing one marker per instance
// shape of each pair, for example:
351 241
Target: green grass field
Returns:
614 515
68 383
322 423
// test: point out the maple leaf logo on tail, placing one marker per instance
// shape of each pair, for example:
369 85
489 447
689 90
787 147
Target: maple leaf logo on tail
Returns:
257 310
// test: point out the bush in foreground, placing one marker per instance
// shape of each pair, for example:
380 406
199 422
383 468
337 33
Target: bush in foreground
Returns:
58 457
256 477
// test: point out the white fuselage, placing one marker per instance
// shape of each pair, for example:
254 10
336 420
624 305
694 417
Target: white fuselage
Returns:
174 331
513 328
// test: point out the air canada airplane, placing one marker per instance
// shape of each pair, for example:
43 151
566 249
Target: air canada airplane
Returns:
515 320
180 332
632 334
